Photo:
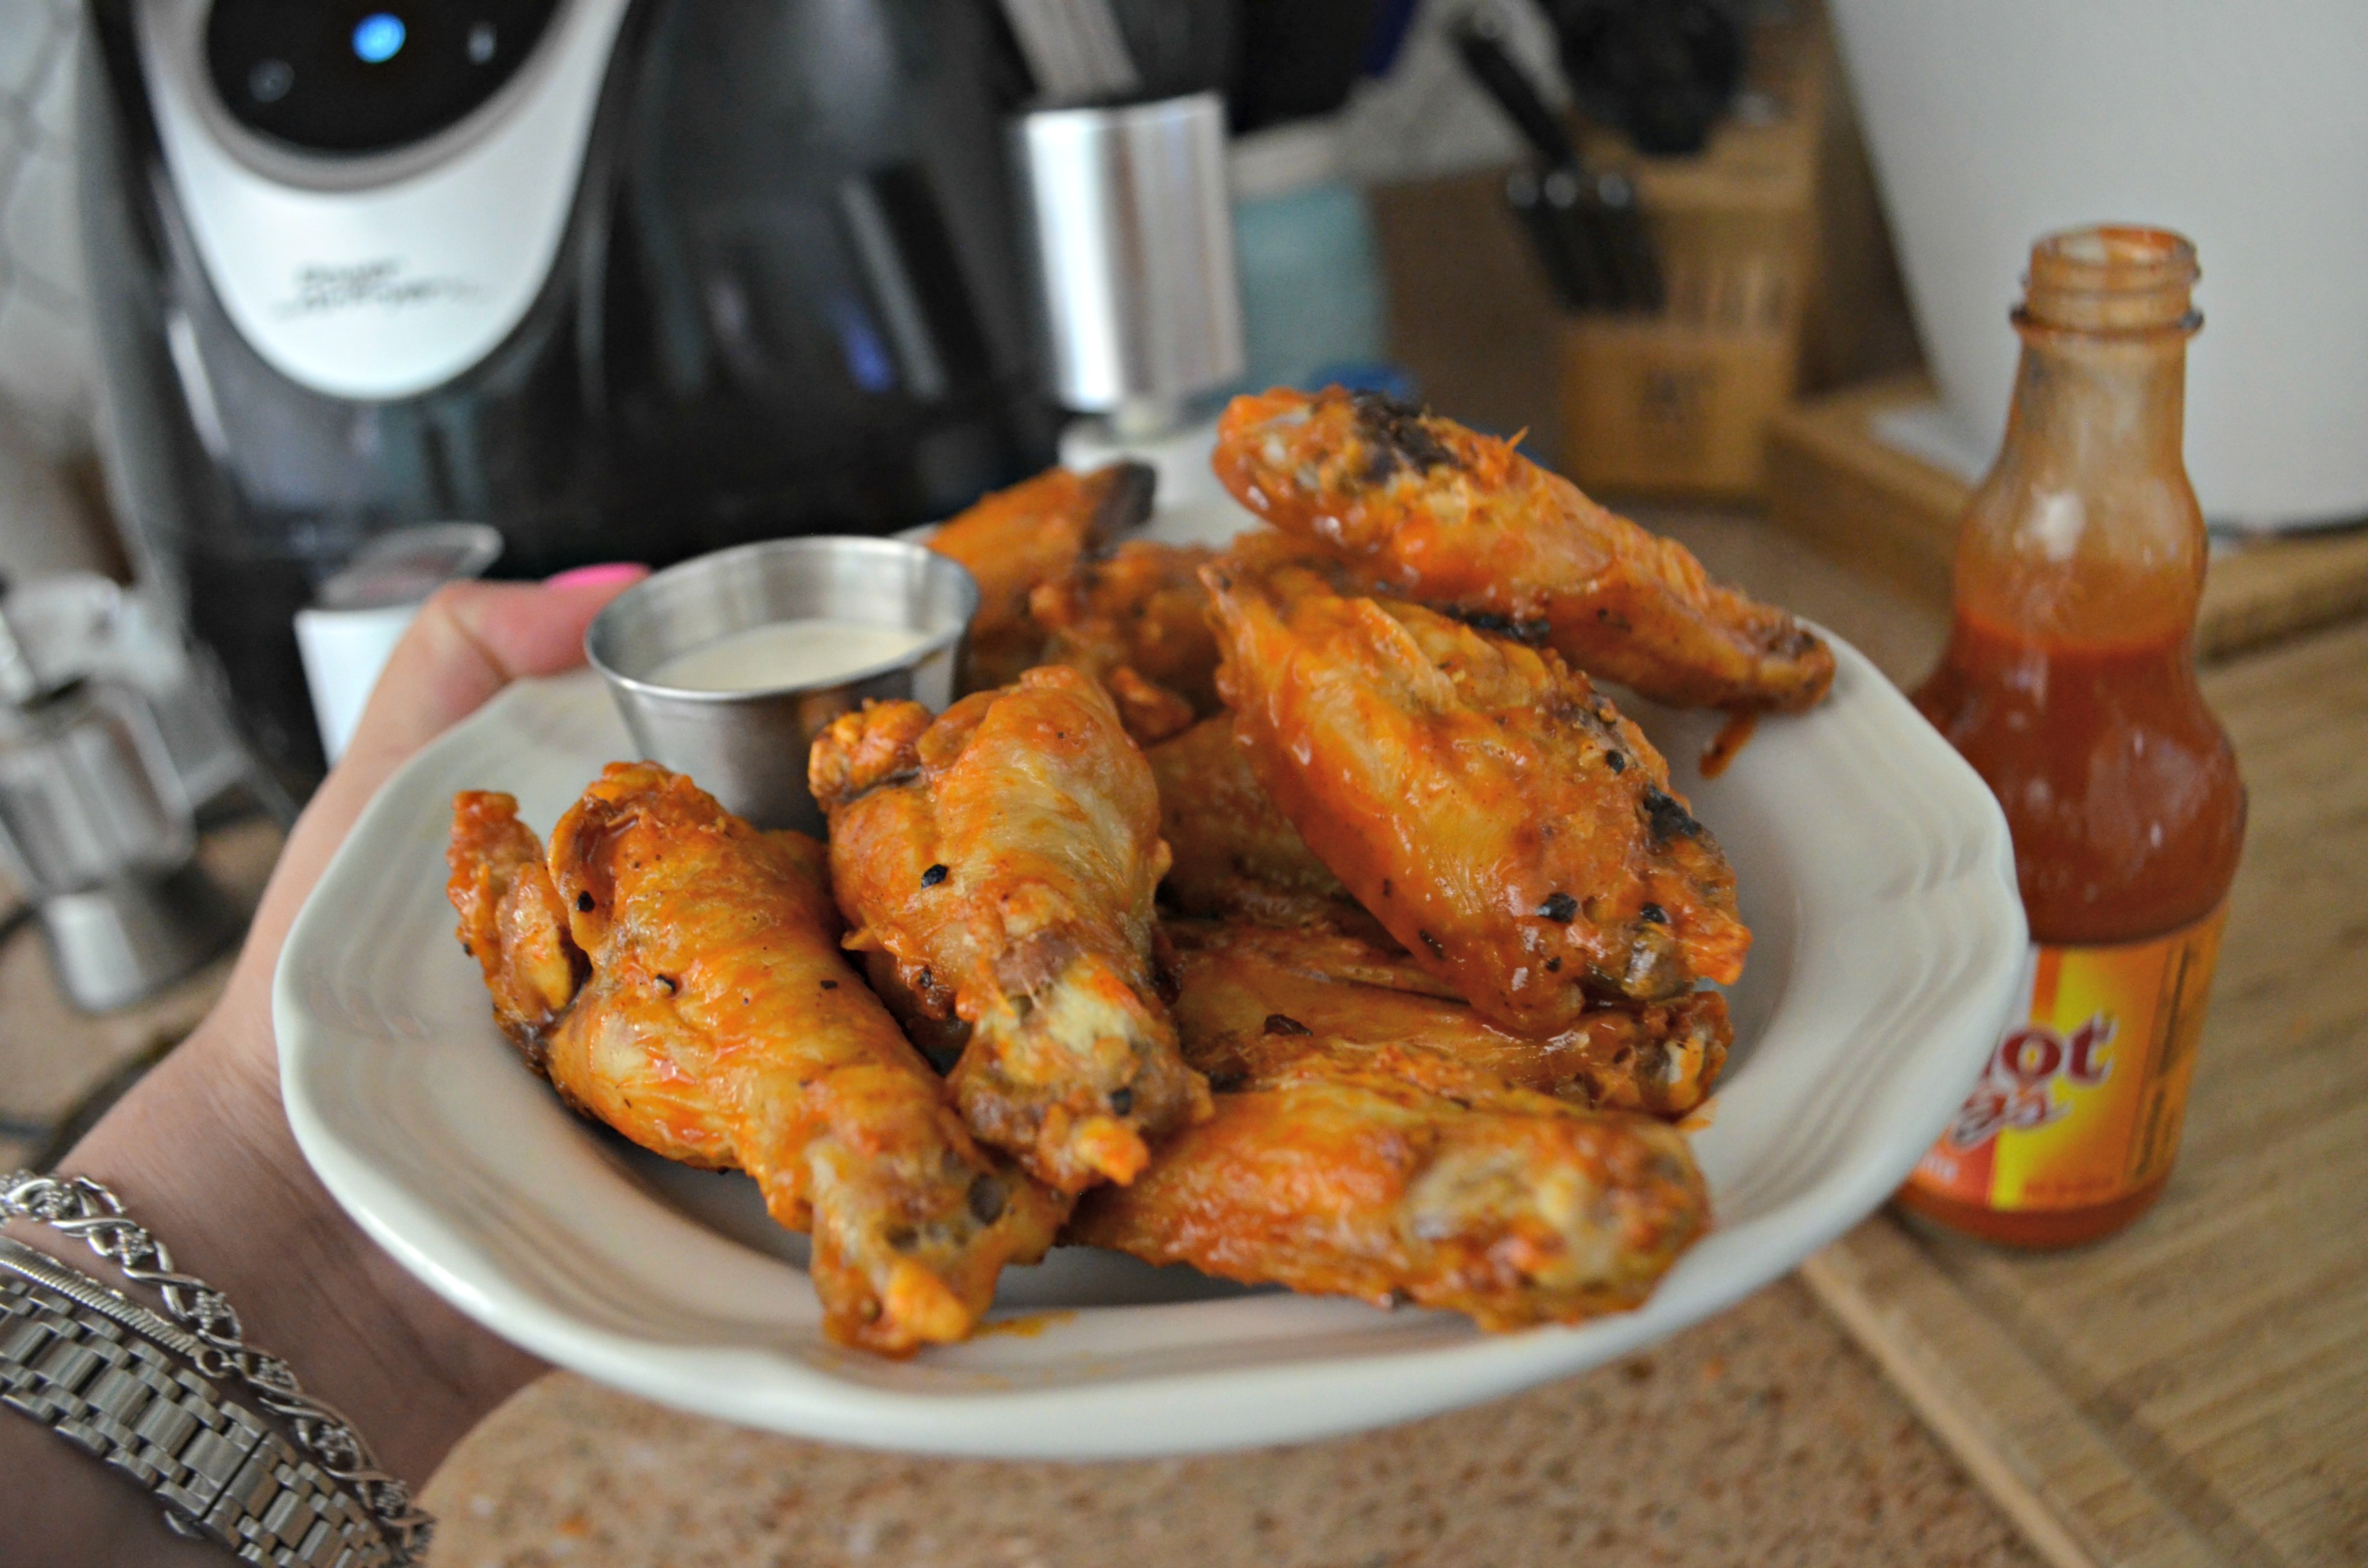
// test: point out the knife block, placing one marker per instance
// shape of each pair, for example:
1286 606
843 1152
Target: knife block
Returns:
1678 403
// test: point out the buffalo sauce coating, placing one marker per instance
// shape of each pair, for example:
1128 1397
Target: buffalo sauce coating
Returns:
1003 855
1428 509
1508 826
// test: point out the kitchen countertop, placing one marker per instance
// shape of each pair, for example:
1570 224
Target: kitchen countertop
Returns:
54 1061
1762 1437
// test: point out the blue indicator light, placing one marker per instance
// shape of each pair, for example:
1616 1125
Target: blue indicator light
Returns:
377 37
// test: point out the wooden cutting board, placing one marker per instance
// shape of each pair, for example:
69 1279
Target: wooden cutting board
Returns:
2193 1392
1833 482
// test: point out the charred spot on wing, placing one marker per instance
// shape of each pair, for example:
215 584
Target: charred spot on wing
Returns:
1667 819
1532 632
1396 433
1788 638
1127 503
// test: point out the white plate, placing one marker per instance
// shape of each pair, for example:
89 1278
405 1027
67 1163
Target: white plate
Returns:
1874 871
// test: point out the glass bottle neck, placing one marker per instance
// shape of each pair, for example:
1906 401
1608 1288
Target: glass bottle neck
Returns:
2097 406
2087 532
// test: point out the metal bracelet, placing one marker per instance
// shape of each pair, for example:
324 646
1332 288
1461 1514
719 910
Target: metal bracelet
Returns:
78 1206
100 1371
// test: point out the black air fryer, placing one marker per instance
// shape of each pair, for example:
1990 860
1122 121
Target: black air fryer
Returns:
628 279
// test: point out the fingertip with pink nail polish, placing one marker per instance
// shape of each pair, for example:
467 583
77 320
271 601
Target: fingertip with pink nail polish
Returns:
606 574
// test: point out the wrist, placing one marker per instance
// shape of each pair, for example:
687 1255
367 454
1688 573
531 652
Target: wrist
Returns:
200 1153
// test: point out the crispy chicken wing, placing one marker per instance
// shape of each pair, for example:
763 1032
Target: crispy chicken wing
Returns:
1005 856
674 973
1330 1168
511 920
1137 619
1436 513
1488 807
1035 532
1242 988
1234 852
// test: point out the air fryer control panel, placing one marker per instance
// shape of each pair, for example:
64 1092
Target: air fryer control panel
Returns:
365 76
375 208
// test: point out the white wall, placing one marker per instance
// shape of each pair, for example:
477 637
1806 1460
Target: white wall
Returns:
47 371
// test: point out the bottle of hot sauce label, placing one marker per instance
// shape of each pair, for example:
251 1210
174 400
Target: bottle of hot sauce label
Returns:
2083 1098
2070 685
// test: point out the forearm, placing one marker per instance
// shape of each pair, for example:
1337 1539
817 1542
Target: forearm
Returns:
201 1155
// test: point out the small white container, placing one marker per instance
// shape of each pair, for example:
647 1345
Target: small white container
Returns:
345 636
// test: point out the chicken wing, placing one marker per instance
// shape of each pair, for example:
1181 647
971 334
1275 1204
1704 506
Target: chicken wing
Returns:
1332 1170
1035 532
1234 852
1488 807
674 973
1242 988
511 920
1439 514
1005 856
1137 619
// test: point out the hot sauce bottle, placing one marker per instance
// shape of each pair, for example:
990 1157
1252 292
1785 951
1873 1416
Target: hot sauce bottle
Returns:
2070 684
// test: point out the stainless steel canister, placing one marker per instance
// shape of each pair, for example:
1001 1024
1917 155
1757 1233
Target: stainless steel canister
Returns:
97 826
1132 227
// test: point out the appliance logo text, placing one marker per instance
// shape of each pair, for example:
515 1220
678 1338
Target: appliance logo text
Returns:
322 288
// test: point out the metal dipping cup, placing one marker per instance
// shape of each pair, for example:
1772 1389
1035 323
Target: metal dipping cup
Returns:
748 748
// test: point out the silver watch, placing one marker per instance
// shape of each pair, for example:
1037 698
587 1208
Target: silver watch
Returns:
110 1377
208 1331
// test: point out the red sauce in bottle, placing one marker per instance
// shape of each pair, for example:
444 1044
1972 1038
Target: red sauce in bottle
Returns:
2070 684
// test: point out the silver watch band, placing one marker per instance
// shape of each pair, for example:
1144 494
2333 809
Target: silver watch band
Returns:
217 1347
102 1372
